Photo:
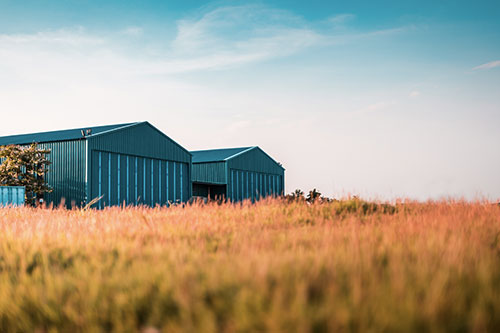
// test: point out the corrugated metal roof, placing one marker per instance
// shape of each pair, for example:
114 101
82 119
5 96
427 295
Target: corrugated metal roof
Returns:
216 155
63 135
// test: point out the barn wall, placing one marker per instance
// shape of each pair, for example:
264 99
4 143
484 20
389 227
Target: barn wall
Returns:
255 160
67 172
254 175
138 165
245 184
210 172
133 180
140 140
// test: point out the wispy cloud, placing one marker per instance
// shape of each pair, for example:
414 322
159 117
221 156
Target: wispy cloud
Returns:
64 37
341 18
221 38
488 65
133 31
242 34
229 36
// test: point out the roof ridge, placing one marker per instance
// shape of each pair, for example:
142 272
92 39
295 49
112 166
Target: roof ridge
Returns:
57 135
201 150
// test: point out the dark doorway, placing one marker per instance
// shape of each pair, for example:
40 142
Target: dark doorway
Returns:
209 191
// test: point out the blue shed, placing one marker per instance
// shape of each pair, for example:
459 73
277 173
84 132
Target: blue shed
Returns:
130 164
236 174
12 196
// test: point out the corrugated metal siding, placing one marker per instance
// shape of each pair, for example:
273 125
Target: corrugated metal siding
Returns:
254 175
251 175
255 160
159 169
133 180
12 195
211 173
67 172
245 184
140 140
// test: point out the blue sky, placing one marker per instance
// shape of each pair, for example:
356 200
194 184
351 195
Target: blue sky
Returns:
382 99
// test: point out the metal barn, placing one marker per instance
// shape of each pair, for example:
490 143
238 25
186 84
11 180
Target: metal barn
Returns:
126 163
236 174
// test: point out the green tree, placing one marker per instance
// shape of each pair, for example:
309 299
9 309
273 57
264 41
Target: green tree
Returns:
297 195
313 196
25 166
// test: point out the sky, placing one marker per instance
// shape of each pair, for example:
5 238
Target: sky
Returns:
385 99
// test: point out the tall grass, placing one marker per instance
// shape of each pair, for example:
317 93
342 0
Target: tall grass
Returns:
272 266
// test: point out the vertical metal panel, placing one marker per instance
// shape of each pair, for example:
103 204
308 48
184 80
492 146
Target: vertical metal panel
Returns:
169 177
212 173
118 187
138 181
268 173
12 196
67 172
253 185
185 182
127 175
123 186
155 186
175 177
232 185
160 183
141 140
237 182
255 160
154 153
112 179
181 184
105 180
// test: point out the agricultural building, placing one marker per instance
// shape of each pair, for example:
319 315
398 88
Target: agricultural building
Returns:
12 196
236 174
124 164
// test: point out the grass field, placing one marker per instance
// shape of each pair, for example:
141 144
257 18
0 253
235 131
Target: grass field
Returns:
272 266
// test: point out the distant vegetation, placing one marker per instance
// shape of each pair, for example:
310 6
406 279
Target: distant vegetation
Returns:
279 265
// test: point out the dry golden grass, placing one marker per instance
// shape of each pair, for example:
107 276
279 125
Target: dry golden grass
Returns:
272 266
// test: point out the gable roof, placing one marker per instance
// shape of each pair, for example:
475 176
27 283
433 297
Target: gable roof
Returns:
62 135
137 124
217 155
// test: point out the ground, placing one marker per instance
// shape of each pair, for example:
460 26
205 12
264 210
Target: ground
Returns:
271 266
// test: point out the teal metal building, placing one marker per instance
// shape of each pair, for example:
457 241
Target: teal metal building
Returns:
236 174
12 196
130 164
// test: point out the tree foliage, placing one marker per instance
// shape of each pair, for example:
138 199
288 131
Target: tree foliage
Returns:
313 196
25 166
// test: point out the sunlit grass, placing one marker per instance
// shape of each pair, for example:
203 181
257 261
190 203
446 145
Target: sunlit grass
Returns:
272 266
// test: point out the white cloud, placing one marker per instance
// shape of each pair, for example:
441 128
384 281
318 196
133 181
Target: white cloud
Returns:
62 37
241 34
133 31
229 36
488 65
341 18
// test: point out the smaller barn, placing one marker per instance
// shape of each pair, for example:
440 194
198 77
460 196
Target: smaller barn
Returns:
236 174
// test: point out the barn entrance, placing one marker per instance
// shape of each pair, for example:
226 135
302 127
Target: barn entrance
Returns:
209 191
